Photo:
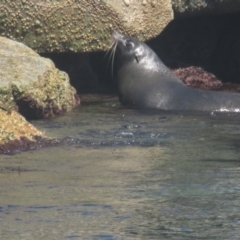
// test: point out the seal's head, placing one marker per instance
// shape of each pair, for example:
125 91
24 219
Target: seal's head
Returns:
127 47
131 49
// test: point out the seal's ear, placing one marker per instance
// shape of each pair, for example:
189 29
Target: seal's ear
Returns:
137 57
137 54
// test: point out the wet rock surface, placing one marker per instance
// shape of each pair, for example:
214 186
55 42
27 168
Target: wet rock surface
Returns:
32 83
16 133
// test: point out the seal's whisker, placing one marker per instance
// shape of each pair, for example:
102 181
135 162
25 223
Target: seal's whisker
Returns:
110 48
110 51
113 54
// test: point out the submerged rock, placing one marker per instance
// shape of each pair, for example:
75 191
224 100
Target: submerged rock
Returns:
16 132
32 84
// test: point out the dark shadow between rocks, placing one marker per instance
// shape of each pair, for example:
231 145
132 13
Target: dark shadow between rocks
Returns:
88 72
209 42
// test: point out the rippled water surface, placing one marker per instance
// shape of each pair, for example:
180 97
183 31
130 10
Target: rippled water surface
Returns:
125 174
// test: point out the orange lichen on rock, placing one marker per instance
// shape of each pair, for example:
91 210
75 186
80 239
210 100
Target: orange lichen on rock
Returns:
15 129
13 126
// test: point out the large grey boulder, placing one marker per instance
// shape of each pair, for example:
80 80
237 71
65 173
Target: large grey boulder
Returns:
80 25
32 83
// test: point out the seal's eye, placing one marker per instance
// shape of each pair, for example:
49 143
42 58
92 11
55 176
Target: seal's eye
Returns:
129 44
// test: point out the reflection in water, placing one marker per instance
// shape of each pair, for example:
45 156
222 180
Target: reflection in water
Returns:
124 174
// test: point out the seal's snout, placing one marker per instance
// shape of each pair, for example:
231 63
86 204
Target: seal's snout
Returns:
117 36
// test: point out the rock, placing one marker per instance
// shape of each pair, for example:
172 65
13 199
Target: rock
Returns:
185 8
16 132
196 77
231 87
32 84
80 26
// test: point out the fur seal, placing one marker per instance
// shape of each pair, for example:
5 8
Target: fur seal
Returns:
145 82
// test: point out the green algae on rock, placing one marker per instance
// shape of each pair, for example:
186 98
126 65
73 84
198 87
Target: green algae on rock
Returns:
198 7
32 83
80 25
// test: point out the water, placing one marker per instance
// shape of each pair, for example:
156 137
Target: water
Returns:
125 174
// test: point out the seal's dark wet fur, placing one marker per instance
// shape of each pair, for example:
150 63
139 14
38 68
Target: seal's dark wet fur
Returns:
145 82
